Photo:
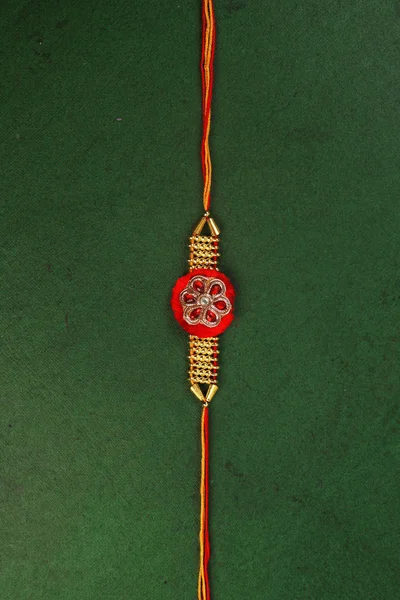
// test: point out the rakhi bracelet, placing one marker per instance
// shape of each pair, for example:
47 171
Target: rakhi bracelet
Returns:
203 300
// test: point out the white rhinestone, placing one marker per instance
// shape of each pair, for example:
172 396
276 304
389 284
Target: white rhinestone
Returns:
205 301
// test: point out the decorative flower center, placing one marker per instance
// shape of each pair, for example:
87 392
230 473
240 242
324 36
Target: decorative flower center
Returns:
204 301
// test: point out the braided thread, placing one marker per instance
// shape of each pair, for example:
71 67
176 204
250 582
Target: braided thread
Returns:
203 252
203 360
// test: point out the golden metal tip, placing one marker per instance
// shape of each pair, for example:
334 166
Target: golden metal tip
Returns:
197 392
213 227
199 227
212 390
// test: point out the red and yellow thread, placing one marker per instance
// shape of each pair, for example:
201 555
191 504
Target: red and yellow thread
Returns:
202 300
207 78
203 589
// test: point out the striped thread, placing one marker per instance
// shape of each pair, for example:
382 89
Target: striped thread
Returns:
203 583
207 79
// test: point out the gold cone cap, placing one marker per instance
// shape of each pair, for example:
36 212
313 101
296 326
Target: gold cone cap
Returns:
214 229
212 390
197 392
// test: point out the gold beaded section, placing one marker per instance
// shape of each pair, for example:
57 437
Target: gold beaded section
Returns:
203 252
203 358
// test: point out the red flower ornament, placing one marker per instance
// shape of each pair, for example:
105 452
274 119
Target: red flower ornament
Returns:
202 302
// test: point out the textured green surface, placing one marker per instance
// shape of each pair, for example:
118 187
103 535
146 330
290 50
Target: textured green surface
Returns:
99 433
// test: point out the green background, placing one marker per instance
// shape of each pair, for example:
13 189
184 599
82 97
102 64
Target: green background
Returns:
99 432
